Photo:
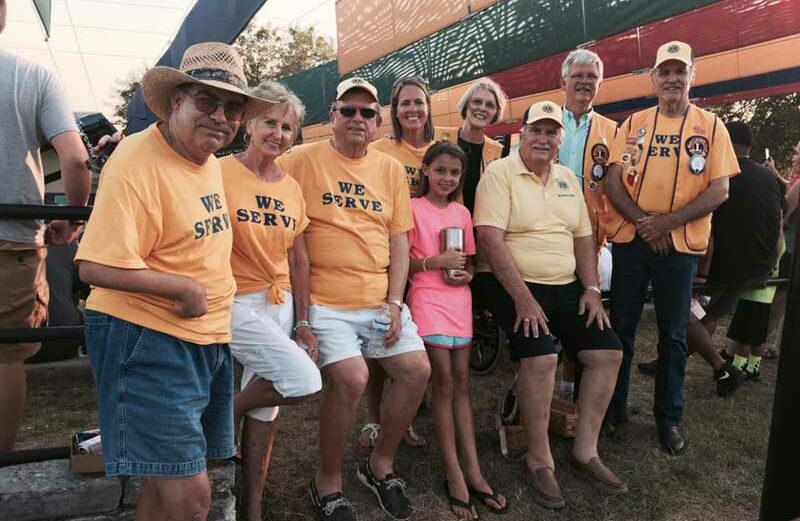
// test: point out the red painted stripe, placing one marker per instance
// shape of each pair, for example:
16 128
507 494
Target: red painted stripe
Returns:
718 27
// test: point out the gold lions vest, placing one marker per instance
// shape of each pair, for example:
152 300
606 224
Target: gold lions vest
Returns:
690 178
595 165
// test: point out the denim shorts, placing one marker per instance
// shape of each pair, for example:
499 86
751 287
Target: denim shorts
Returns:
165 405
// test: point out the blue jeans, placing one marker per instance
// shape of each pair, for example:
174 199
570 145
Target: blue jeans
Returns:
671 276
165 405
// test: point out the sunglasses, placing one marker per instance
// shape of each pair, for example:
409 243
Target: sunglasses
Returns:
208 105
348 111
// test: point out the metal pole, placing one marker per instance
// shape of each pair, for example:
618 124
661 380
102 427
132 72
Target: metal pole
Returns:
20 457
36 211
780 500
41 334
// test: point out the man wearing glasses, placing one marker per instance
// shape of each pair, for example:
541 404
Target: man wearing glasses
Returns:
584 150
358 204
157 253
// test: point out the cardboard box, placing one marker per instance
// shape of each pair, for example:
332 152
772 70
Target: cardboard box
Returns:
93 463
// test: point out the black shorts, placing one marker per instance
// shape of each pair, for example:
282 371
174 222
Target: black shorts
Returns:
560 305
750 323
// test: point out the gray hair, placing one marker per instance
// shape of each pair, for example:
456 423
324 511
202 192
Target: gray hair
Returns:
489 86
272 90
581 57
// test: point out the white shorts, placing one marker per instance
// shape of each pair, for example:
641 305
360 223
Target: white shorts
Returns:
343 333
261 343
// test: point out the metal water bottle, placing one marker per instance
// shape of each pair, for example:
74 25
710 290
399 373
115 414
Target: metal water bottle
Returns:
451 239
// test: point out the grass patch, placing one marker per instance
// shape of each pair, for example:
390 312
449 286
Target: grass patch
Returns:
719 478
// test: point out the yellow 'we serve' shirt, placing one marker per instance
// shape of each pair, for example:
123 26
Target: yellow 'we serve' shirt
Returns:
156 210
354 207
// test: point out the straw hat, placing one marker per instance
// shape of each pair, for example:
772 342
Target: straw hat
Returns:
213 64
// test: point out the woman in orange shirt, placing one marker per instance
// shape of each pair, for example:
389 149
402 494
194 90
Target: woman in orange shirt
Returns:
270 265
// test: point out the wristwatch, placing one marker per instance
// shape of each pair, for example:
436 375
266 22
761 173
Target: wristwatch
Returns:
398 303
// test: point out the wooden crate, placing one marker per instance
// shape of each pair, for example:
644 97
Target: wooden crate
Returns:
563 421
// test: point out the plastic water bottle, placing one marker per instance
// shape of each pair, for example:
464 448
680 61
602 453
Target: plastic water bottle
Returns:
381 323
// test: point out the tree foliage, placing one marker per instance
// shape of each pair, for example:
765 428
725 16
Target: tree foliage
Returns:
774 122
125 90
270 53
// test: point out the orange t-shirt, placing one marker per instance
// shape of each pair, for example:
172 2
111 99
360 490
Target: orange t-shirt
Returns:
266 218
409 156
156 210
354 207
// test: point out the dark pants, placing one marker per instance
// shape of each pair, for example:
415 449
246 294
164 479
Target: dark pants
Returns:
671 276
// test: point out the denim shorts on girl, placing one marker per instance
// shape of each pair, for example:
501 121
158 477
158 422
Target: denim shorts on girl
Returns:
165 405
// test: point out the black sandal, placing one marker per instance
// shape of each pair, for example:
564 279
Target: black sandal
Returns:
455 502
483 496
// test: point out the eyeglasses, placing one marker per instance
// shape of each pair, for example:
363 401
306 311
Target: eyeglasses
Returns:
208 105
349 111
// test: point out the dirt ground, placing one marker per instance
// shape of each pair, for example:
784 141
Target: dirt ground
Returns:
719 478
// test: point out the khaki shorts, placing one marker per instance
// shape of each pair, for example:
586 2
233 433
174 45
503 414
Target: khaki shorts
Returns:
24 295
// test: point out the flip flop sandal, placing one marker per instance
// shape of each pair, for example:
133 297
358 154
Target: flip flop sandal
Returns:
483 496
457 503
418 442
369 433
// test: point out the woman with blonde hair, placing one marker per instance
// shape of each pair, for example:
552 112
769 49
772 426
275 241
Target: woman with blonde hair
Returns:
268 216
482 105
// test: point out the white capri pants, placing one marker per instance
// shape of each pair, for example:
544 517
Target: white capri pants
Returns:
261 342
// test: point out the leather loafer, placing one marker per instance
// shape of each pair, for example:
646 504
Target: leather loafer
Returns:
672 441
600 476
544 486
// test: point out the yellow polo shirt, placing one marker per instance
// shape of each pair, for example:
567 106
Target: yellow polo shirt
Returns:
541 221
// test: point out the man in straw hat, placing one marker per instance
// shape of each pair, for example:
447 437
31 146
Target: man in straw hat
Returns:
157 252
670 170
360 211
32 107
534 226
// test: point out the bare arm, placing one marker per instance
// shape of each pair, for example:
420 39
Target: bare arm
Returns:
77 180
188 294
398 275
657 226
72 157
619 196
506 272
586 261
450 259
586 269
300 273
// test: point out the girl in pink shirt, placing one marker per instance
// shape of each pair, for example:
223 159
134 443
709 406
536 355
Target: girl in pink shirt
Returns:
442 309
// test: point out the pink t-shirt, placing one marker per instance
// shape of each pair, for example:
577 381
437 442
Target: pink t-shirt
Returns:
438 308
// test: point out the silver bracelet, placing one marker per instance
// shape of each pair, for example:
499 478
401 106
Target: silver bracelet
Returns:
424 268
596 289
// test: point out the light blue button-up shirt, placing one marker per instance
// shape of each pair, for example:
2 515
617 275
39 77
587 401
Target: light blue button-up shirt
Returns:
573 141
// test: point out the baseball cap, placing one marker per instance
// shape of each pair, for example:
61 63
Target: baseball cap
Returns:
355 83
674 50
543 110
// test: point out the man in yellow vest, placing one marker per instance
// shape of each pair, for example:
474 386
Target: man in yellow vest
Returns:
670 170
585 143
588 136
